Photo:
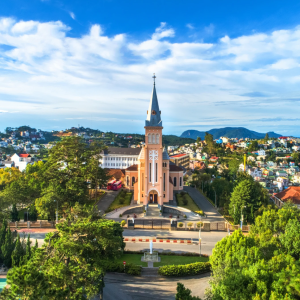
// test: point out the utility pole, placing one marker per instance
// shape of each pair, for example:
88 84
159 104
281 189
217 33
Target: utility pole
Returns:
200 238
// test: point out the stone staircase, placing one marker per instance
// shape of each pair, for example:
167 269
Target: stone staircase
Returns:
153 211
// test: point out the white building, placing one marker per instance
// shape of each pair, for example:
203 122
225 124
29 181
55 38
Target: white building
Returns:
254 172
21 161
119 158
261 152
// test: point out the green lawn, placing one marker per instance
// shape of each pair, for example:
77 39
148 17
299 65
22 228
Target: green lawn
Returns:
116 203
178 260
165 259
133 258
191 205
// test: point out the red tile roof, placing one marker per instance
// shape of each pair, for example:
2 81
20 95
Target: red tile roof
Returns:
291 193
132 168
178 155
24 155
174 168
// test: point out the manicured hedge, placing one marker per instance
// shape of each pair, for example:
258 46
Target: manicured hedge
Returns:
185 270
130 269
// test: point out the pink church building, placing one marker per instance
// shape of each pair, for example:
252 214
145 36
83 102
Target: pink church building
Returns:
154 179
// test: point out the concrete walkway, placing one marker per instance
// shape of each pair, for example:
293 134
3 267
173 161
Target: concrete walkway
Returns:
191 216
104 203
126 287
212 214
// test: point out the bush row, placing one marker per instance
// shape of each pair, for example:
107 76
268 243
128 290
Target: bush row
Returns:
185 270
118 267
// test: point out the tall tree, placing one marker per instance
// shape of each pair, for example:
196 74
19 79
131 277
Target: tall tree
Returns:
72 262
14 214
266 137
247 197
262 265
18 253
7 248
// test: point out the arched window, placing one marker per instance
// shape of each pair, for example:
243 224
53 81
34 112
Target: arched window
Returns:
127 181
180 180
133 181
157 139
175 181
149 138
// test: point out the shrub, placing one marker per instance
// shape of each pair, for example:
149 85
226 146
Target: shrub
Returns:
180 224
184 201
120 215
199 212
118 267
121 200
190 224
199 224
184 270
182 193
185 216
123 223
128 216
145 211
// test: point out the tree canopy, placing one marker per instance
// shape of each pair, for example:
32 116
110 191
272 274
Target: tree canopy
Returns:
262 265
72 262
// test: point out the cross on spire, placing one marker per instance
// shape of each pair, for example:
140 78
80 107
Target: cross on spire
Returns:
154 77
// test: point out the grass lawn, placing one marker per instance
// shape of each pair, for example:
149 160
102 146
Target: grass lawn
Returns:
132 258
178 260
191 205
116 203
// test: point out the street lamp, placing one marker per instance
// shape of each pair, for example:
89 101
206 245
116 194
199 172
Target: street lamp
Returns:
215 198
56 210
200 237
242 219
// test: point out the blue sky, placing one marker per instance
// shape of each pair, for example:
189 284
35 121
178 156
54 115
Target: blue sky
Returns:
218 63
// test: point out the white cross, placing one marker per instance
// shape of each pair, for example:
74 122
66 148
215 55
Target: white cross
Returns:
153 155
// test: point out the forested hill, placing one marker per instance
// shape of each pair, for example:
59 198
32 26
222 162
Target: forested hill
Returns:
230 132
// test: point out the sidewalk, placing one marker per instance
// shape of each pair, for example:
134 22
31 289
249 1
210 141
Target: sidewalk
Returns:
191 216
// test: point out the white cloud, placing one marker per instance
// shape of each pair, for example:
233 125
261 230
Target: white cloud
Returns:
190 26
162 32
102 79
72 15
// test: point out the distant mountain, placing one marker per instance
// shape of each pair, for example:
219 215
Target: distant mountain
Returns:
230 132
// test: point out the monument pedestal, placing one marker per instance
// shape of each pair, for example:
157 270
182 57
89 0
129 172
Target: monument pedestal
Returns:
151 257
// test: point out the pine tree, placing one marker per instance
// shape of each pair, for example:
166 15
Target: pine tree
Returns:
7 248
2 238
14 214
35 246
33 214
18 253
28 248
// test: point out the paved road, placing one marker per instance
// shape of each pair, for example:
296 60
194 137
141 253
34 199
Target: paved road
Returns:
106 201
124 287
212 214
208 240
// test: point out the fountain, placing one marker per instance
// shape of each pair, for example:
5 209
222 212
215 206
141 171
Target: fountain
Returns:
151 256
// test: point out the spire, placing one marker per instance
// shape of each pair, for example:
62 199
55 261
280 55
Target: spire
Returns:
153 113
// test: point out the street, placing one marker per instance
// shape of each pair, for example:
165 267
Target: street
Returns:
124 287
212 214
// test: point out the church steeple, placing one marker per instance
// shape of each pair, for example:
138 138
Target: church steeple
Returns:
153 113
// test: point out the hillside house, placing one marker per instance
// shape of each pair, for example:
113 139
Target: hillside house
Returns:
21 161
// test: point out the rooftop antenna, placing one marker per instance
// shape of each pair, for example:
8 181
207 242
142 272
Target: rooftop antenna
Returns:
154 77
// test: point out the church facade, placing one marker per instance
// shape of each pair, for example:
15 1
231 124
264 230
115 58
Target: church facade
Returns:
154 178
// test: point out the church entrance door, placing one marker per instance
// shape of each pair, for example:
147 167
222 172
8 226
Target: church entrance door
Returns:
153 197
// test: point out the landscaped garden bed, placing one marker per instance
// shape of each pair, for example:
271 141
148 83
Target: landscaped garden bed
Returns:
185 200
123 199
